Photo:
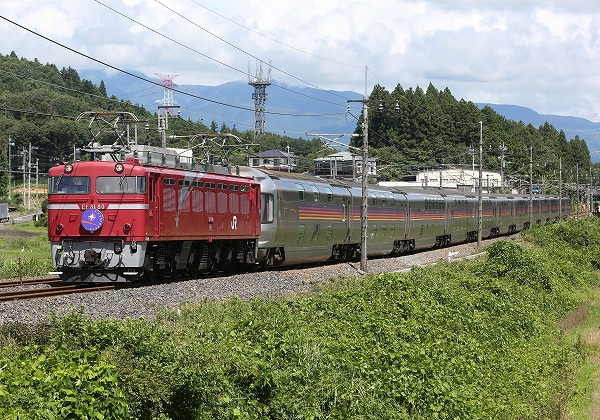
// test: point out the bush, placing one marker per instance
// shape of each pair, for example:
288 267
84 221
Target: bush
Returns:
470 340
42 220
60 384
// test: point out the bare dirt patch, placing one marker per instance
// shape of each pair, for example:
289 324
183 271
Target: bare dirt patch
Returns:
575 318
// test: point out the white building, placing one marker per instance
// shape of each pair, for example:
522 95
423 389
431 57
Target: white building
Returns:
463 178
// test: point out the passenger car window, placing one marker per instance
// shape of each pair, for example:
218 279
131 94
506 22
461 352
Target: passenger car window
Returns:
266 208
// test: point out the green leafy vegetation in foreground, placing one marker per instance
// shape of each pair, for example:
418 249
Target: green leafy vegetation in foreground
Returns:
464 340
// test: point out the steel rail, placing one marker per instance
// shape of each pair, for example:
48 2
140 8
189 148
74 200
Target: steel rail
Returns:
51 291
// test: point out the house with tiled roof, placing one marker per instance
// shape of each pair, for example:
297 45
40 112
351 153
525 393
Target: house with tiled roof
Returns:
273 159
344 165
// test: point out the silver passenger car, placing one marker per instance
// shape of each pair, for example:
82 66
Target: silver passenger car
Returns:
309 219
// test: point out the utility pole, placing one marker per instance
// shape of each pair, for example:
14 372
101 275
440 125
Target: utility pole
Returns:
530 186
480 191
560 188
364 170
10 143
577 212
37 198
590 193
24 154
29 179
365 161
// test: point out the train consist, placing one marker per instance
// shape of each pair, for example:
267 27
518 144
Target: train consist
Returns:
308 219
118 221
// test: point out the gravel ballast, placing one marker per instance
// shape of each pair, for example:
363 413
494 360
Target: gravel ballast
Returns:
145 302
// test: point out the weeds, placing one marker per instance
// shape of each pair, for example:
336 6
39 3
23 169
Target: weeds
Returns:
465 340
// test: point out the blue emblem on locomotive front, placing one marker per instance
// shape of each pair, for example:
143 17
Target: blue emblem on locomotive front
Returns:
92 220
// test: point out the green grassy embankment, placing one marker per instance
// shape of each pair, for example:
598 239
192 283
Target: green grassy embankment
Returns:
482 339
27 243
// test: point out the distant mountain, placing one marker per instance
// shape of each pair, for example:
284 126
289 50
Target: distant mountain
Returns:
313 110
572 126
326 108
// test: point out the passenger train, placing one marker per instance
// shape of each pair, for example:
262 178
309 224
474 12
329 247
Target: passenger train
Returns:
122 221
309 219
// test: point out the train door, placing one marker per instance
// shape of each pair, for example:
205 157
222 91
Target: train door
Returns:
347 216
154 202
407 218
448 214
255 203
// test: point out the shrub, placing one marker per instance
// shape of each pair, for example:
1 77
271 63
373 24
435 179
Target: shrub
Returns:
60 384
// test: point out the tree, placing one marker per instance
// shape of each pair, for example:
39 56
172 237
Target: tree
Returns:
102 88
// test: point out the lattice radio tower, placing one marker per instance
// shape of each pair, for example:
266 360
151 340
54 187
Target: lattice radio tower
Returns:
260 96
167 105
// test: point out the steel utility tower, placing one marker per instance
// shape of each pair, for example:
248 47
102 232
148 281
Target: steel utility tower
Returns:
260 97
168 85
167 105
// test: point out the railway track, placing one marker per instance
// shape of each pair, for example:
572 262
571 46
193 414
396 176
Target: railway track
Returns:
29 282
56 289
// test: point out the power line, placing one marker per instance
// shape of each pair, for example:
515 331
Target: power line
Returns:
220 39
275 40
61 87
44 114
157 83
243 51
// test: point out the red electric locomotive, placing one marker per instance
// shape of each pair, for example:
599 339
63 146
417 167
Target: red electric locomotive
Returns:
121 221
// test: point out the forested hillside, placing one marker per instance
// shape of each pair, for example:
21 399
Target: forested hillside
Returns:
39 105
413 127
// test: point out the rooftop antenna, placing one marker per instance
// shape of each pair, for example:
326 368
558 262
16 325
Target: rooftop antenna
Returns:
260 84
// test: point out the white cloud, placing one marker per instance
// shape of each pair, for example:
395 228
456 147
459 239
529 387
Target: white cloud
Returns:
502 51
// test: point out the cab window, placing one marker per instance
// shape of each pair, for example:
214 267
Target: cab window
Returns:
121 185
69 185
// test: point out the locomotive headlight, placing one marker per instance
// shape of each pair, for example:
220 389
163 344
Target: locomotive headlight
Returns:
68 168
118 248
119 168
